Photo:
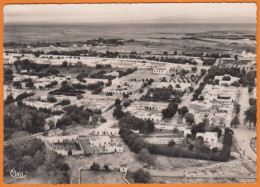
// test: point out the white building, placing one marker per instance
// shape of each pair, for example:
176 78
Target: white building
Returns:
209 137
99 141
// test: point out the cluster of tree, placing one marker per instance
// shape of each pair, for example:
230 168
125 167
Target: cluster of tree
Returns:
66 89
198 91
38 53
118 113
20 97
101 75
227 143
134 123
8 74
27 156
69 53
82 75
27 80
63 102
109 54
79 86
251 115
22 118
147 83
78 115
100 66
173 60
141 176
52 84
94 86
209 62
246 79
127 72
170 111
111 41
29 65
162 94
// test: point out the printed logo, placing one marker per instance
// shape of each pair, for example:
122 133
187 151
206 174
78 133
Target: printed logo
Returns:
18 174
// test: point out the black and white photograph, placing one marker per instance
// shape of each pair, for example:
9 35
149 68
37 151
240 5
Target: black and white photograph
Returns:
157 93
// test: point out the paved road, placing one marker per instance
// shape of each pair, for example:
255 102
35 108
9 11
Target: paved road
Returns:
243 134
186 99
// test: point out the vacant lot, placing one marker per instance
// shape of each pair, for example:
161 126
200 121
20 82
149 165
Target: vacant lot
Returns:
101 177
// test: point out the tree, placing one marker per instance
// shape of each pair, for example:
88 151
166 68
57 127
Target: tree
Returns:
80 96
103 120
64 64
29 84
198 128
8 74
194 69
146 157
235 122
191 146
95 166
79 64
125 95
236 58
250 89
189 118
17 84
226 78
117 102
171 143
51 99
252 102
183 110
39 158
170 111
118 113
214 150
65 102
126 104
9 100
251 116
178 86
64 121
165 53
140 176
235 83
237 108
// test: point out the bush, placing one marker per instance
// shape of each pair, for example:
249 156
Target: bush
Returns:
65 102
141 176
95 166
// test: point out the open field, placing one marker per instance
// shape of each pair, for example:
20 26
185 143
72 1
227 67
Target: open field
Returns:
101 177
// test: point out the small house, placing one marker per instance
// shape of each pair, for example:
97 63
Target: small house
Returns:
123 168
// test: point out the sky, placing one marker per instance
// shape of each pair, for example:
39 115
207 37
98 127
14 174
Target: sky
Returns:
132 13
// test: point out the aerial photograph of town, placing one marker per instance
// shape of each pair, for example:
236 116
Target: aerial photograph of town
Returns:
129 93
